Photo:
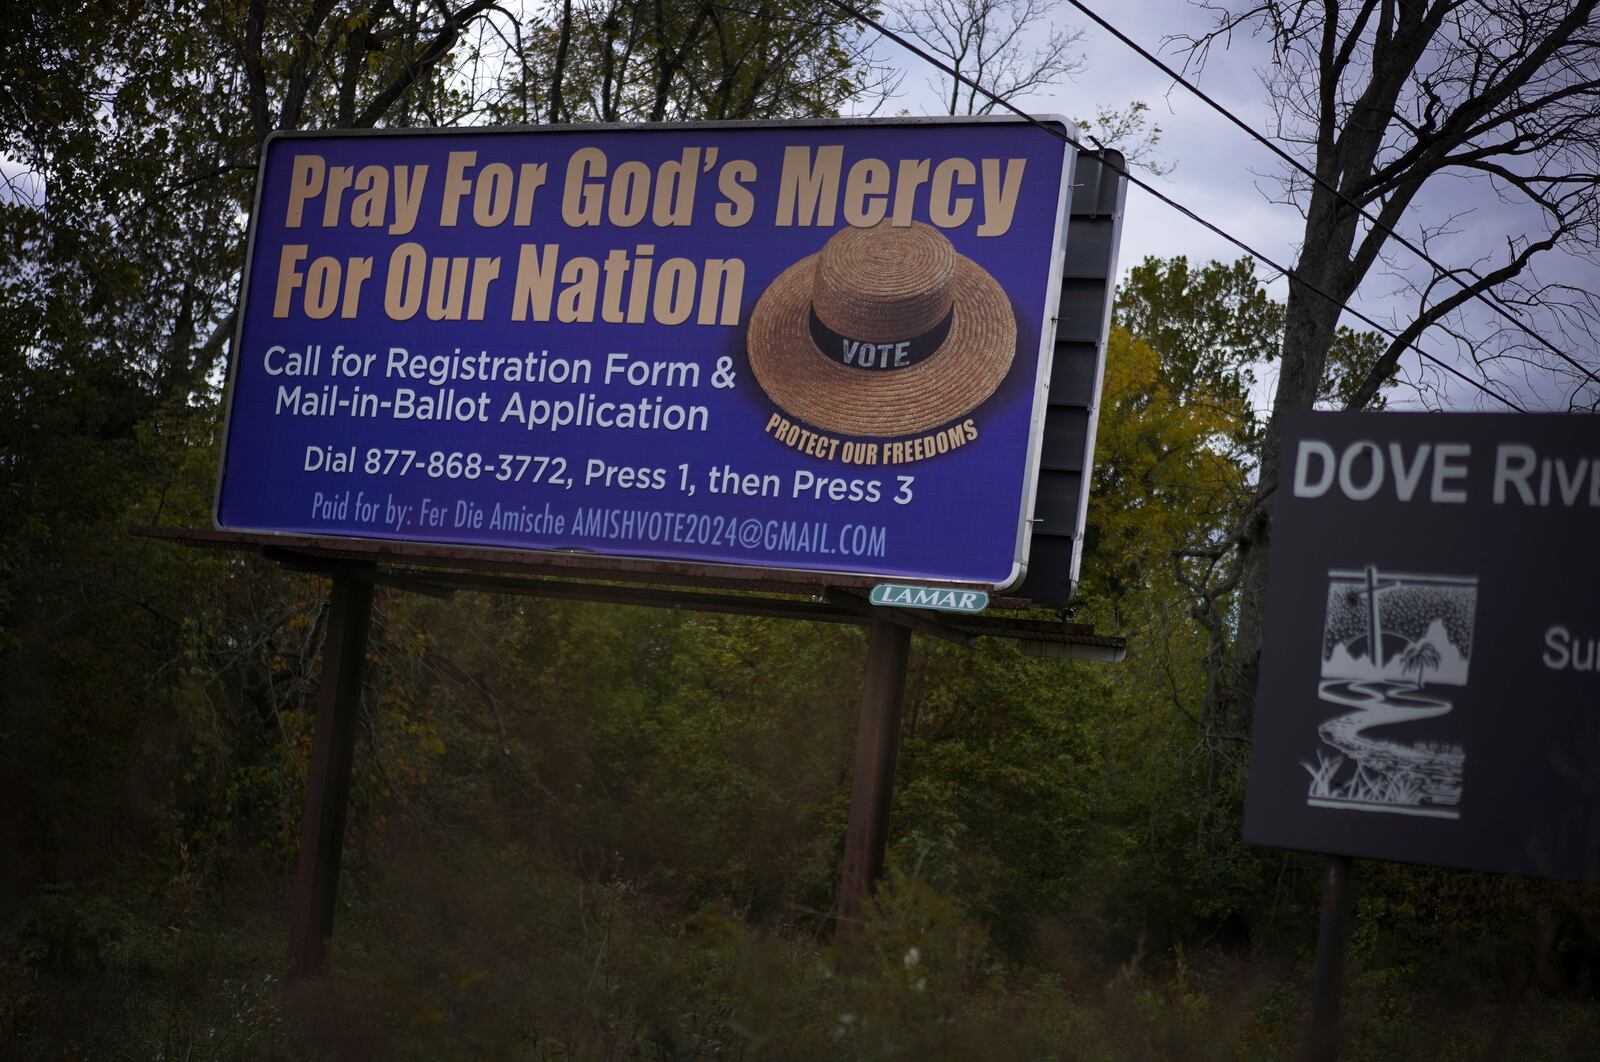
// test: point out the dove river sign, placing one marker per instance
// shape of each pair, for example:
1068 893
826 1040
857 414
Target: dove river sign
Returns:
814 347
1429 689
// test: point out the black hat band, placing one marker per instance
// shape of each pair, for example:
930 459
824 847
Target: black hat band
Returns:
872 355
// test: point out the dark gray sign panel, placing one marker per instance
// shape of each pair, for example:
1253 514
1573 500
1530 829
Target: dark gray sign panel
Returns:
1429 690
1083 322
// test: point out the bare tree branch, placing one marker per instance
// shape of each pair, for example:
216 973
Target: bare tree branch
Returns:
986 40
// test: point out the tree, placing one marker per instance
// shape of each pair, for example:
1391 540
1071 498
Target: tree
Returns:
988 41
145 126
621 60
1215 328
140 129
1419 657
1130 131
1212 326
1209 331
1385 99
1165 471
1167 476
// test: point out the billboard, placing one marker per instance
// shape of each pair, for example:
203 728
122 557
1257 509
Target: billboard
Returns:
1429 685
818 347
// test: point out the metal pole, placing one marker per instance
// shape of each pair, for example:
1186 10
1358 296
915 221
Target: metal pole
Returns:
1333 938
877 741
316 882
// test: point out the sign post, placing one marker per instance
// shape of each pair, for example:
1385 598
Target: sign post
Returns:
1428 679
877 744
1333 943
316 880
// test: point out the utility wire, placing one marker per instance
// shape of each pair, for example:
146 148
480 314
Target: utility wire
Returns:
1062 135
1442 270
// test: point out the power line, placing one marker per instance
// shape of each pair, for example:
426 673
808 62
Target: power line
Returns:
1059 134
1439 268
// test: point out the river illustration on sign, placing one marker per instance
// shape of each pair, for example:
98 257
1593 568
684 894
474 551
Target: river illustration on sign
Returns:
1393 646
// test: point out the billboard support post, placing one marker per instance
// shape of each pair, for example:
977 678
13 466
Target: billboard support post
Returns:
316 882
872 788
1333 941
357 568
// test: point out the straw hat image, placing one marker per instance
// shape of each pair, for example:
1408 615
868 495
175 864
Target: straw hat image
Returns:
886 331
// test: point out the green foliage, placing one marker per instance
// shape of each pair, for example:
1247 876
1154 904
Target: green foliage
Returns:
65 934
694 59
580 831
1130 131
1167 473
994 773
1215 328
1210 328
475 950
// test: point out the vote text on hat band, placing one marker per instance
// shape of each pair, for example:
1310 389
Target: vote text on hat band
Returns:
866 354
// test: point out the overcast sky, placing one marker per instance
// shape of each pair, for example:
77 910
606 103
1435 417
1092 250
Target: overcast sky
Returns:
1225 176
1213 158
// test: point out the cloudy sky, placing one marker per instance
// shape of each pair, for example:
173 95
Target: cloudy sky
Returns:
1213 160
1227 177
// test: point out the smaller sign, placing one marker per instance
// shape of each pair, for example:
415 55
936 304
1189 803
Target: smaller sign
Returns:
1428 683
937 598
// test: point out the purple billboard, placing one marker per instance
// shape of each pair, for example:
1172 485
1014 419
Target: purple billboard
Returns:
806 347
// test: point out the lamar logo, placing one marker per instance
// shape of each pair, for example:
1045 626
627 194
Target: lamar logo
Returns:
932 597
